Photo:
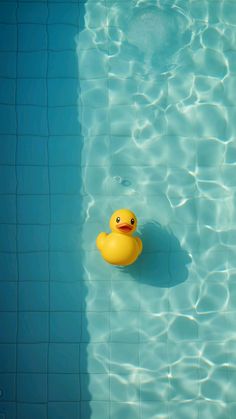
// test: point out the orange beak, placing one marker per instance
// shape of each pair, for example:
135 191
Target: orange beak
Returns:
125 228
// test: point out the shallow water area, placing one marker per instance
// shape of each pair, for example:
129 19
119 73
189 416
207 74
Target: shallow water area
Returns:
158 119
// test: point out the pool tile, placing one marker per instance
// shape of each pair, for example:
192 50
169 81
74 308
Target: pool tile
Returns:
8 121
8 333
32 64
63 120
94 387
62 92
8 357
33 296
32 357
63 387
61 410
8 37
8 231
66 266
36 13
27 263
32 92
94 357
33 209
62 64
8 296
65 327
64 151
32 388
66 296
8 209
27 410
33 238
32 37
8 264
8 387
32 120
64 358
95 327
33 327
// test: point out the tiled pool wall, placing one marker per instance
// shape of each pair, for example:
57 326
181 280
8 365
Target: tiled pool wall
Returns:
43 323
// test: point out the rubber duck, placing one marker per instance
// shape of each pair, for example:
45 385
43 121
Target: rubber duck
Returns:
119 247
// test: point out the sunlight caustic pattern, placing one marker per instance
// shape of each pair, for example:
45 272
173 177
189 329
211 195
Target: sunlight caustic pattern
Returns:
157 106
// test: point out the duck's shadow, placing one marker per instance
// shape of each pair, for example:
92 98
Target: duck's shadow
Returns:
163 262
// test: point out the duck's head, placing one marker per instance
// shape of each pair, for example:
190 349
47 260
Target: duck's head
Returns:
123 221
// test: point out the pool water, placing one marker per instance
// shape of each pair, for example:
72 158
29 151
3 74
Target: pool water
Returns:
108 104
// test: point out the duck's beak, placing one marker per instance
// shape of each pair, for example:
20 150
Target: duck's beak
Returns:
125 228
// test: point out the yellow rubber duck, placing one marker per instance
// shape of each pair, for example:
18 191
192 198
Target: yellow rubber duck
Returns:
119 247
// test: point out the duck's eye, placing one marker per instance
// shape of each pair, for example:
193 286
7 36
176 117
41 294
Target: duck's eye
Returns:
118 219
132 221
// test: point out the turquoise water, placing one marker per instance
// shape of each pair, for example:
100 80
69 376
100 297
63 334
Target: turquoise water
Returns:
157 114
107 104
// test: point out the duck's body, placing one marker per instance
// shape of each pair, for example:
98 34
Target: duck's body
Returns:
119 247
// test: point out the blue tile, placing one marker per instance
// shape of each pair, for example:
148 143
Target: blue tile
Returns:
7 179
32 64
33 327
32 388
64 358
7 238
62 410
8 149
32 180
31 410
32 92
66 209
63 92
35 13
7 91
65 296
62 37
8 12
8 410
7 387
65 237
32 357
61 13
93 65
33 209
8 209
94 364
8 38
8 328
32 151
33 296
95 327
66 266
27 263
7 358
63 387
65 179
62 64
8 119
99 409
8 296
32 37
63 121
33 238
65 327
32 120
64 150
8 267
7 64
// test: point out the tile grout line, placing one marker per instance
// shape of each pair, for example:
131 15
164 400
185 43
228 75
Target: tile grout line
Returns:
50 214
